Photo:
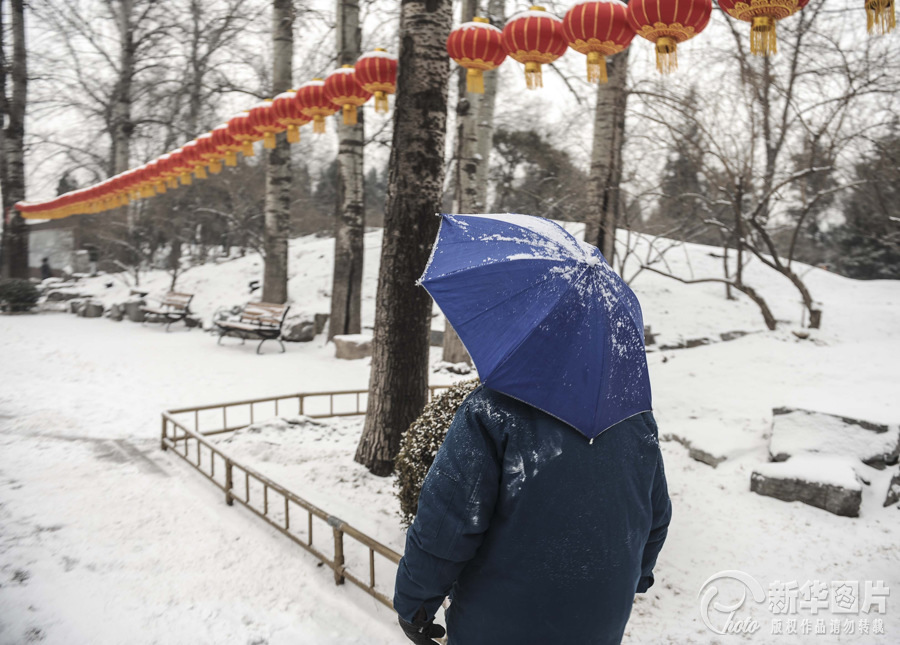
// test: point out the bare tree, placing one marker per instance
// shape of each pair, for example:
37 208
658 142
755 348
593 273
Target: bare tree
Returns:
14 262
399 376
278 171
350 222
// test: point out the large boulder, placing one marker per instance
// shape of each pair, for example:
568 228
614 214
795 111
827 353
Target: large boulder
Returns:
353 346
828 482
796 431
299 330
116 312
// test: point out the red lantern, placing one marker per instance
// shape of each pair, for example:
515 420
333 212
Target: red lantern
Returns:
288 114
667 23
225 144
762 15
181 166
598 28
262 118
376 71
880 15
241 131
534 37
342 89
209 153
191 153
313 103
477 46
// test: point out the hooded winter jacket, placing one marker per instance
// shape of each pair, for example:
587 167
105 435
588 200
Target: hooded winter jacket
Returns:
539 536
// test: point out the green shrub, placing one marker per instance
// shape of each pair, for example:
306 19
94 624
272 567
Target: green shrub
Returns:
17 295
420 444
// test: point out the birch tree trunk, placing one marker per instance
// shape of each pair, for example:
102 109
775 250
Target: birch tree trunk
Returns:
399 377
15 231
606 158
466 164
278 169
346 289
123 127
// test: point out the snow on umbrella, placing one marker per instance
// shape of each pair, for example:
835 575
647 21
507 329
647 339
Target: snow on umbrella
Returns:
543 316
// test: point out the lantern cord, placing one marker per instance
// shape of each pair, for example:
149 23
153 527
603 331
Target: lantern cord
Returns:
381 103
533 78
349 114
596 68
475 81
763 39
319 124
293 134
880 16
666 55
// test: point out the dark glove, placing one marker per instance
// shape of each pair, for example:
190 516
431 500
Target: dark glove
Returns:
421 630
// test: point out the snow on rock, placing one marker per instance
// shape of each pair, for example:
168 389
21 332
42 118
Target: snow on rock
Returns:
352 346
798 431
828 482
893 493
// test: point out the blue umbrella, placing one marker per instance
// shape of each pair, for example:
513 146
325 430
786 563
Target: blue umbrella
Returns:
543 316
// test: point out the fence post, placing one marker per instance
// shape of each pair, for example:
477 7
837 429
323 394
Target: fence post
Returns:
338 556
162 439
229 483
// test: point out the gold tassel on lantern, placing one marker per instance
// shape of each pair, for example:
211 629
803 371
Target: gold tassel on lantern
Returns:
186 179
293 134
533 78
666 55
381 103
231 158
880 16
247 148
475 81
171 182
349 114
319 124
763 41
200 172
215 166
269 140
596 68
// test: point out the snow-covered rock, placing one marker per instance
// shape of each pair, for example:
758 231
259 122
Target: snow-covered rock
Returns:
321 320
893 493
91 309
797 431
353 346
828 482
299 330
133 310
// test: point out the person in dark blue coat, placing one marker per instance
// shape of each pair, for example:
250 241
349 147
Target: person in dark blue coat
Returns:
538 535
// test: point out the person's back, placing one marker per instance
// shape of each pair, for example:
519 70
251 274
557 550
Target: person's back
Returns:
544 536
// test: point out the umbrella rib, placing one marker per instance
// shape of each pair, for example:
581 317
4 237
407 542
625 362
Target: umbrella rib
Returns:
529 334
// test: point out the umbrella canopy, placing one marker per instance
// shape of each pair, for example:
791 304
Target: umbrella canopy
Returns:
543 316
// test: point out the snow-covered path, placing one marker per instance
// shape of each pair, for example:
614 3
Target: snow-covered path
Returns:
106 539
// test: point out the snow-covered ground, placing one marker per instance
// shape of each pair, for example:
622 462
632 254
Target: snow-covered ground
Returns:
106 539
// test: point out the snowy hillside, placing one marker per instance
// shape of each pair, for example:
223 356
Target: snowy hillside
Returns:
106 539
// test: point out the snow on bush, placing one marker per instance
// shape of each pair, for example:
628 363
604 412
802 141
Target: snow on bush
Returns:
421 442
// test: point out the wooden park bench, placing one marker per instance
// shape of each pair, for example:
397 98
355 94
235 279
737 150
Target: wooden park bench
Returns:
257 320
172 307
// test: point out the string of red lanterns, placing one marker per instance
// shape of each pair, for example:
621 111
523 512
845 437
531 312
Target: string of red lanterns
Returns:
595 28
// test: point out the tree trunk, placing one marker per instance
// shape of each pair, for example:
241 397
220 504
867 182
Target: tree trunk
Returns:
399 377
606 157
346 289
15 231
278 169
467 165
